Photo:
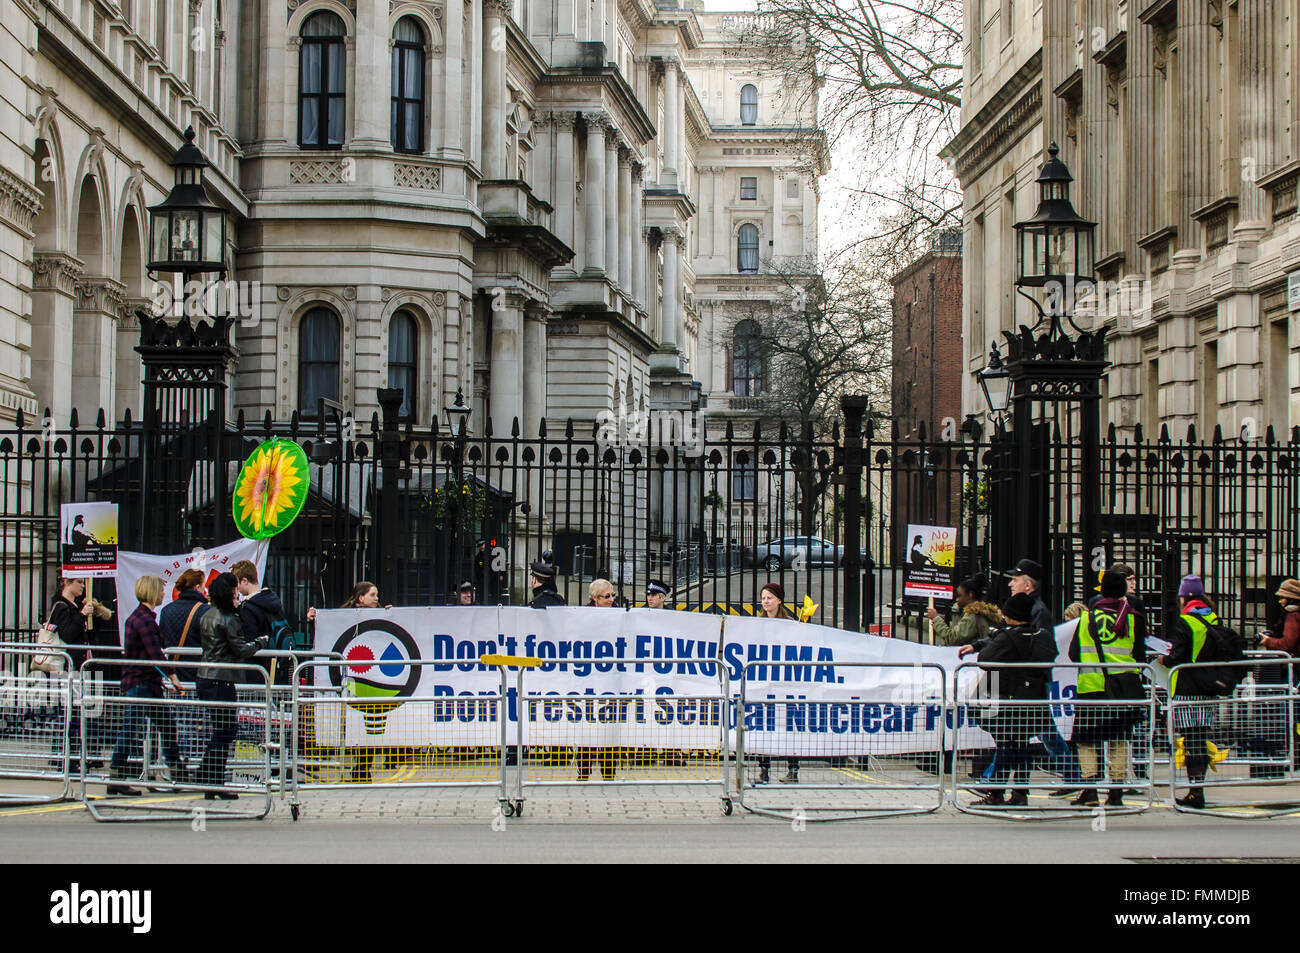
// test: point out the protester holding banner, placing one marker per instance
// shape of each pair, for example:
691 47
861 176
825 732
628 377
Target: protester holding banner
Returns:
771 599
144 643
1014 725
974 617
223 642
601 593
70 616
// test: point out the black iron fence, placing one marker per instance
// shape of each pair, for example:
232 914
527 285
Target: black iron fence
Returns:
420 509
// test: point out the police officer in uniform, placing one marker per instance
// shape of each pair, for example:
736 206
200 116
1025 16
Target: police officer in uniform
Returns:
1109 632
465 595
543 581
656 594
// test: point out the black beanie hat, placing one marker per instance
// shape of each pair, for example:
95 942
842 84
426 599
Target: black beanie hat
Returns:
1114 585
1019 608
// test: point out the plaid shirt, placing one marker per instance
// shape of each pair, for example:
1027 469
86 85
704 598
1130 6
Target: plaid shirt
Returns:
143 641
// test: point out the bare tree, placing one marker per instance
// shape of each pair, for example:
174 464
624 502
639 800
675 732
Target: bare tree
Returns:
884 79
819 337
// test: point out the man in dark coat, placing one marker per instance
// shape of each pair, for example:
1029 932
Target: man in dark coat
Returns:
1014 725
1027 577
544 592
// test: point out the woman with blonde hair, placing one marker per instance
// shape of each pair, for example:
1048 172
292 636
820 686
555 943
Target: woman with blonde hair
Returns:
144 642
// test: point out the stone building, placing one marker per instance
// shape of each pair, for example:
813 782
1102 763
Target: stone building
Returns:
1179 121
545 207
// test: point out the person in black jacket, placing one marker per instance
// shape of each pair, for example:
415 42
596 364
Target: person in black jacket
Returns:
223 642
73 616
544 592
1027 577
1013 726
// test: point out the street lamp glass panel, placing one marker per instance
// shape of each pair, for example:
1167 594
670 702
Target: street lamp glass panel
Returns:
1060 251
997 391
159 231
214 227
185 235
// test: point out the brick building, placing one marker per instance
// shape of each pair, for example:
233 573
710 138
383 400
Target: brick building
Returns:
927 381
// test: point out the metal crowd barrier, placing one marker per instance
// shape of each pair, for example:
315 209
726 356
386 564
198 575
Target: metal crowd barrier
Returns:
1031 737
133 721
620 739
874 754
348 739
1249 738
282 717
35 714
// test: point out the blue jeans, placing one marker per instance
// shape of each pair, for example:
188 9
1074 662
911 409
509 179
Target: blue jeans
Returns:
136 716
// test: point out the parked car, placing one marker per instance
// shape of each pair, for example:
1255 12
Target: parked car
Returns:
778 554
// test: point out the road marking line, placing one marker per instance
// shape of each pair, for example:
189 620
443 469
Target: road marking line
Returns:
77 805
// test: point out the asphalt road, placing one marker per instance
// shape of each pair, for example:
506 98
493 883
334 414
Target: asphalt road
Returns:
697 834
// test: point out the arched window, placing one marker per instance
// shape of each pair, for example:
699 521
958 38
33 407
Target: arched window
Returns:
407 118
747 359
318 359
322 82
747 250
402 348
748 104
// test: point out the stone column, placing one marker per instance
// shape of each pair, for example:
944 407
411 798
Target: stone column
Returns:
1197 75
54 280
494 88
611 206
370 117
534 368
94 319
593 194
625 201
1258 29
668 175
505 396
453 102
565 176
130 373
540 176
668 337
638 255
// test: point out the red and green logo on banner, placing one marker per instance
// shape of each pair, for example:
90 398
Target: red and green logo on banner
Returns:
270 489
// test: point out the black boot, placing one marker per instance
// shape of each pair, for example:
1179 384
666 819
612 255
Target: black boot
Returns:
1088 796
1195 799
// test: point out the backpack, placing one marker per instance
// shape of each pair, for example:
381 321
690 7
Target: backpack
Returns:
1225 645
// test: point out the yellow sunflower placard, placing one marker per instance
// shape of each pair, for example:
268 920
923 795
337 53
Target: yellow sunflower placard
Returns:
270 489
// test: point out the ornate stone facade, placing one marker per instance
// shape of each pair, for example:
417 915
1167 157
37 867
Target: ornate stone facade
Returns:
1190 173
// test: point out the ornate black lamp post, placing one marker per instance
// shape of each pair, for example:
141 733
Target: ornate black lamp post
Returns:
1055 254
187 230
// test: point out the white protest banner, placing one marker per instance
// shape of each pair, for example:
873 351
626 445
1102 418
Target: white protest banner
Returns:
880 694
210 561
588 653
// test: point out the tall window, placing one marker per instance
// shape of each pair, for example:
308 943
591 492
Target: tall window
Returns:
401 359
744 477
747 250
322 82
407 119
749 187
748 104
747 360
318 359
